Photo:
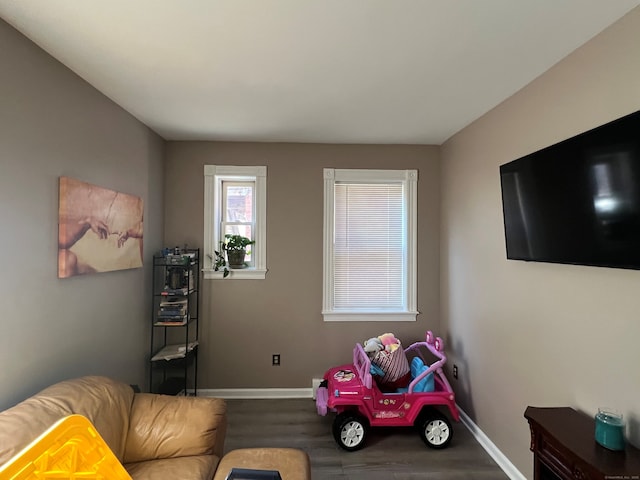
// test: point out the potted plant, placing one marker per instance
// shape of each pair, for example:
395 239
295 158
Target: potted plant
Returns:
235 247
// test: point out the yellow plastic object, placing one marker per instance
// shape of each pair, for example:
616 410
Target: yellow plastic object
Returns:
71 449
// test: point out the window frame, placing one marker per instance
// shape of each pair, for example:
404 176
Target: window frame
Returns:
408 178
214 176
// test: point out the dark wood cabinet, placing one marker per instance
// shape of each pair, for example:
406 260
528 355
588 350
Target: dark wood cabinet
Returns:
564 447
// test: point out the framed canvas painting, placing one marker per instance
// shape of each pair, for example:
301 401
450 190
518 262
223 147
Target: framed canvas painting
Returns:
99 230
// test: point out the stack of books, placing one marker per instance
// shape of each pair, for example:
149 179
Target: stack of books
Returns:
173 311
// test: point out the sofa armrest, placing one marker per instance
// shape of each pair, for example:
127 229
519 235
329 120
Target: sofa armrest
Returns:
163 426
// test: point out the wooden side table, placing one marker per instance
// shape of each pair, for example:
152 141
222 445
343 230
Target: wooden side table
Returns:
564 447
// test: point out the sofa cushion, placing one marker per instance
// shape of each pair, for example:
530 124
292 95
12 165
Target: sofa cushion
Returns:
105 402
163 426
197 467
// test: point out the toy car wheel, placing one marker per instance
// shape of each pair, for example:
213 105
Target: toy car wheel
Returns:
350 431
436 431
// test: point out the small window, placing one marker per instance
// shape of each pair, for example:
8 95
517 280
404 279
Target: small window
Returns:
235 203
370 245
238 217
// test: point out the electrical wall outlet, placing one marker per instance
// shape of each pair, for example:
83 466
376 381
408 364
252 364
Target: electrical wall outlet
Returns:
275 359
455 372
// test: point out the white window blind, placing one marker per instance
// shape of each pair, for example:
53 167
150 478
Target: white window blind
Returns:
370 249
369 259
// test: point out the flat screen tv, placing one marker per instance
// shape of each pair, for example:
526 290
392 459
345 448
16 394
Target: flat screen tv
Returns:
578 201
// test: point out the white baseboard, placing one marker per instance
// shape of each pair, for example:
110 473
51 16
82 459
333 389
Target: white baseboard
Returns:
494 452
266 393
262 393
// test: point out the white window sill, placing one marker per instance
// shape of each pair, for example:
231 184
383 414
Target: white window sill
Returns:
370 316
244 274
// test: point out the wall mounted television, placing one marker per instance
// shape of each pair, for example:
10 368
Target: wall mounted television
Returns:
578 201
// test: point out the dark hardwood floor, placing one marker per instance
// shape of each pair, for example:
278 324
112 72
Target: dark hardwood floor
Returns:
390 454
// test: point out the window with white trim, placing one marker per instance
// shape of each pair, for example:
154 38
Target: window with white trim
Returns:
235 202
370 221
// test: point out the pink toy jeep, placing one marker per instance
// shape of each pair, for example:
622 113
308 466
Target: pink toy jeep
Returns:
351 392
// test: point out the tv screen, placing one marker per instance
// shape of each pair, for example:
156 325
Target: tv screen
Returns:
578 201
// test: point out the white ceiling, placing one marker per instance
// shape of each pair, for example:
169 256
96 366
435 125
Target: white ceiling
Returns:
328 71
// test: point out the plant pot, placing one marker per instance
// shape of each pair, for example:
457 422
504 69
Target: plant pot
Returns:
236 258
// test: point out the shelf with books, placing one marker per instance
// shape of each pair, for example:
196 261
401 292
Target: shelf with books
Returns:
175 318
171 322
174 352
174 292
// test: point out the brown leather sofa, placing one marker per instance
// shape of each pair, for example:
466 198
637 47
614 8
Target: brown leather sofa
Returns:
153 436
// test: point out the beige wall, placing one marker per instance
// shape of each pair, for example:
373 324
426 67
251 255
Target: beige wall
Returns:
52 123
246 321
535 333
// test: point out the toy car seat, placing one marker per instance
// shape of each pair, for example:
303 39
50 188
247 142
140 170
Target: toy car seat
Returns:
427 384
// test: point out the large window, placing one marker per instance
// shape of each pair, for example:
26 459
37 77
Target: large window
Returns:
370 245
235 203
